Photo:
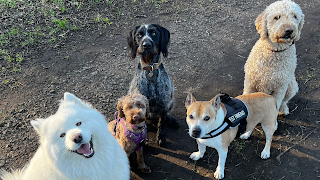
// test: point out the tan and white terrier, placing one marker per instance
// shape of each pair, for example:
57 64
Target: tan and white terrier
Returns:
205 116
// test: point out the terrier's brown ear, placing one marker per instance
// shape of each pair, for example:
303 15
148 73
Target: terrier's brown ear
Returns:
261 25
216 101
189 100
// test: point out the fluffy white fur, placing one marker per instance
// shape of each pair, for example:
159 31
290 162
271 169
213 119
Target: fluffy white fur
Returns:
55 159
269 71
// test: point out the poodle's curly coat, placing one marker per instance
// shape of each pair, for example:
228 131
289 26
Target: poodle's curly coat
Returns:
135 109
272 62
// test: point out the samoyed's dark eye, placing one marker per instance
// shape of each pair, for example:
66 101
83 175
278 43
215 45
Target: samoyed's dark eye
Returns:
62 134
78 124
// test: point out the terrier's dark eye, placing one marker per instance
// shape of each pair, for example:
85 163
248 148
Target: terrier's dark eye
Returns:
295 16
139 35
191 117
154 33
207 118
277 17
62 135
78 124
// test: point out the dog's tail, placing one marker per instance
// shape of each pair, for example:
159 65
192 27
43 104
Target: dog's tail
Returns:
14 175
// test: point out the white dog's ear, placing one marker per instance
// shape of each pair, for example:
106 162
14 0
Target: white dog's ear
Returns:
189 100
216 101
37 125
299 28
261 25
68 97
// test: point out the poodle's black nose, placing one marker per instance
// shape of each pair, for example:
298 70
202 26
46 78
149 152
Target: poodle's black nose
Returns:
288 32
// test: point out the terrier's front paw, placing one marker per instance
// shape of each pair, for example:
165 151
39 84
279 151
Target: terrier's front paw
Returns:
196 155
219 174
265 154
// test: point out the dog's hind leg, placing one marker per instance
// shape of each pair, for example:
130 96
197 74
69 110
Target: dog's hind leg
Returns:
248 88
268 130
291 91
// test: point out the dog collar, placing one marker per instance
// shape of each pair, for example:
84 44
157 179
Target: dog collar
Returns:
139 138
150 67
237 113
282 49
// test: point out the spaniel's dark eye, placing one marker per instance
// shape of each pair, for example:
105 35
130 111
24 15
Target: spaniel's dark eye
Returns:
277 17
207 118
295 16
153 34
78 124
191 117
139 35
62 135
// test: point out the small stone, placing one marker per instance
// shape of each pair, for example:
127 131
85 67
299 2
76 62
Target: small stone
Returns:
2 162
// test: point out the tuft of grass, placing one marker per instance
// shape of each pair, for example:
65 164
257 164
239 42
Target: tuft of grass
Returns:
62 24
99 19
239 145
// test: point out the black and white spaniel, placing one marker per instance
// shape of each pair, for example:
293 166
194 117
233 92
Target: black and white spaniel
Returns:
151 78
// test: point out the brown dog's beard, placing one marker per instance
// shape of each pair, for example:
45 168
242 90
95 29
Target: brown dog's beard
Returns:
147 56
131 120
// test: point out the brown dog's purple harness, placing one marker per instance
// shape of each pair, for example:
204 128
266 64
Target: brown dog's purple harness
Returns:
237 113
140 138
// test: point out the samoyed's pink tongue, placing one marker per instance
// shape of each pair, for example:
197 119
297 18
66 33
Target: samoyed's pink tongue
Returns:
84 149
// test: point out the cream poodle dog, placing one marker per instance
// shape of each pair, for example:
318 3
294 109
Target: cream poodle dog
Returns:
271 64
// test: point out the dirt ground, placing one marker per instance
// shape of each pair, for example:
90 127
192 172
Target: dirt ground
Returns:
210 42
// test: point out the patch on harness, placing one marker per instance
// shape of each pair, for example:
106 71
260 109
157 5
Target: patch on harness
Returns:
237 112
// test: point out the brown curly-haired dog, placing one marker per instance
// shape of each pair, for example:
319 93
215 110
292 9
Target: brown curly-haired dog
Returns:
134 109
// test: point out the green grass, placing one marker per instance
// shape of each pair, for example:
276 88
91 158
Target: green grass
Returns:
99 19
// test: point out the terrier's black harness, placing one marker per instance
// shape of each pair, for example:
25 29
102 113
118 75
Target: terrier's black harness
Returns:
237 113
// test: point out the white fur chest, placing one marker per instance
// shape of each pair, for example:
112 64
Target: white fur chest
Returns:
215 142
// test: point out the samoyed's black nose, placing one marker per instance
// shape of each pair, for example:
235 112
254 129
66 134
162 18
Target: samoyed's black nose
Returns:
77 138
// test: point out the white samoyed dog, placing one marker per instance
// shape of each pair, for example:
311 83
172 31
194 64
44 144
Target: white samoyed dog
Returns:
75 144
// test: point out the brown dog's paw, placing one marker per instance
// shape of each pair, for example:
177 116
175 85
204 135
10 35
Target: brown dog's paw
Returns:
145 169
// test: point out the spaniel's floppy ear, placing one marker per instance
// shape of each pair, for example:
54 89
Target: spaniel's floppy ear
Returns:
120 108
261 25
299 28
164 39
132 42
